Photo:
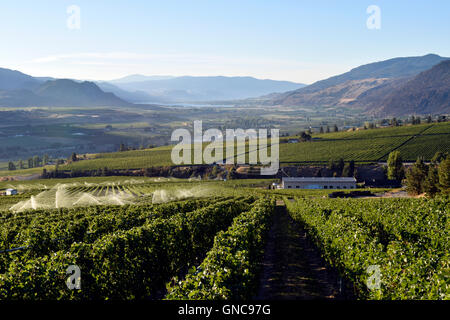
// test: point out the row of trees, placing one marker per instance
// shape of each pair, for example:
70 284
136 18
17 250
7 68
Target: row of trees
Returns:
37 161
392 122
431 179
123 147
327 130
342 169
413 120
33 162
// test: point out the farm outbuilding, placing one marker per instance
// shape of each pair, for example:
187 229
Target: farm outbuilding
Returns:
10 192
318 183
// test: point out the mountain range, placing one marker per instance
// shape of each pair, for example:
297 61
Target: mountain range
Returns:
375 88
394 87
202 89
19 89
426 93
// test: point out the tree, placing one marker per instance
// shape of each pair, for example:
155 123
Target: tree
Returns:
11 166
394 122
444 176
431 184
304 136
349 169
30 163
331 165
340 165
231 173
321 129
21 165
36 161
415 177
215 171
395 166
45 160
438 157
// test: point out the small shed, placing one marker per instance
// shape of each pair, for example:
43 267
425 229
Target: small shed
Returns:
11 192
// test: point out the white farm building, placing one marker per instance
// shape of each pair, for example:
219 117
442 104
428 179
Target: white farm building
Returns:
318 183
11 192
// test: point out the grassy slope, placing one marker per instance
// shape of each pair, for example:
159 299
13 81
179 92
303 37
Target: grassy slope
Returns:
372 145
361 146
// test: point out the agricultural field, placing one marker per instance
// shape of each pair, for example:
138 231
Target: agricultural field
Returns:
84 192
165 238
361 146
407 240
371 145
59 131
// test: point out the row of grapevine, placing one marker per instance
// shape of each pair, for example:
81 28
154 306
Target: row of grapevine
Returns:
67 223
230 269
124 264
406 239
43 231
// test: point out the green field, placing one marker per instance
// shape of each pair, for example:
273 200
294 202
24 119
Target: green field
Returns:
164 238
372 145
363 146
360 146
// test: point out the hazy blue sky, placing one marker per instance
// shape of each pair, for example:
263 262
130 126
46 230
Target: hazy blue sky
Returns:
294 40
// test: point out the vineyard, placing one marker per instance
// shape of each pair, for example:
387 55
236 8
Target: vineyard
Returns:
115 191
362 146
125 254
179 239
408 239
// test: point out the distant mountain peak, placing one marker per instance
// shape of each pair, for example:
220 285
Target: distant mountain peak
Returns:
139 78
347 88
426 93
21 90
191 89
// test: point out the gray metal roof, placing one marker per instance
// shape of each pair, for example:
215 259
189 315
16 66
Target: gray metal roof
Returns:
320 179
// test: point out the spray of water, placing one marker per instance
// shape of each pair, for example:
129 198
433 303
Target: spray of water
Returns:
64 196
166 195
60 197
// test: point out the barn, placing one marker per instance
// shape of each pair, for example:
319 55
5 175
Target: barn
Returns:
318 183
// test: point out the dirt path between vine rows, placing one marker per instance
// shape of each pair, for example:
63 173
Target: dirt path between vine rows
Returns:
293 268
